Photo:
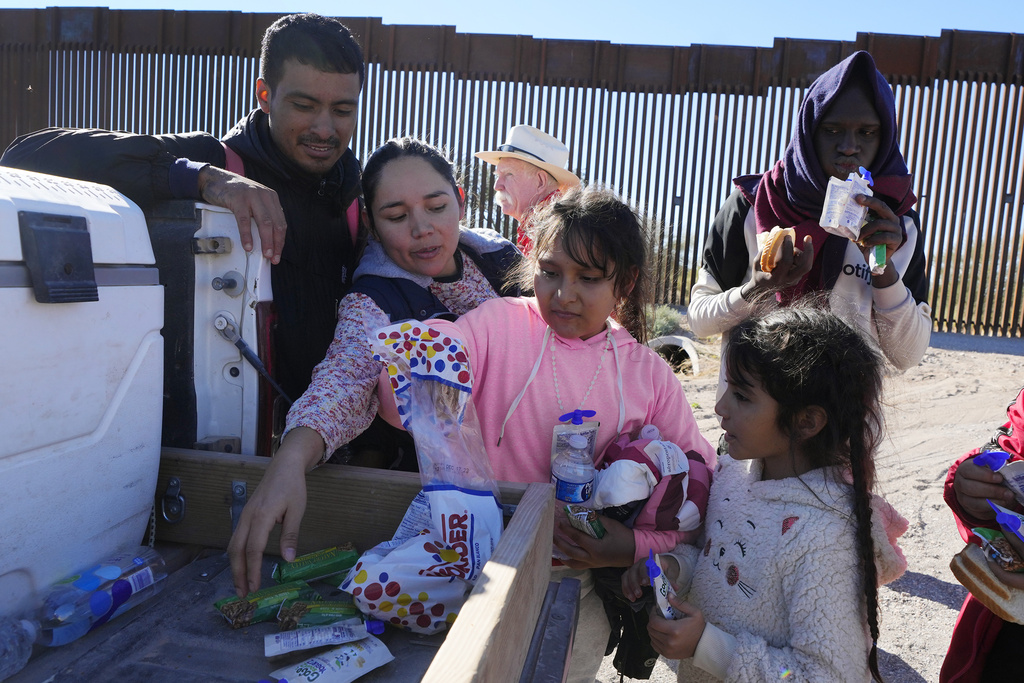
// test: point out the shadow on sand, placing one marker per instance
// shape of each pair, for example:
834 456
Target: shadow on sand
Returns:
1013 346
951 595
895 670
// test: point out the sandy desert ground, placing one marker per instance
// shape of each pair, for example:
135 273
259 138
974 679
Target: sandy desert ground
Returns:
935 412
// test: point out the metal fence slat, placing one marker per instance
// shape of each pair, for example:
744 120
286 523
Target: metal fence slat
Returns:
667 127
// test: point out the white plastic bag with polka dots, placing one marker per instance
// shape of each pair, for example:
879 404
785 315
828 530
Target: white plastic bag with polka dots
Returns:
419 579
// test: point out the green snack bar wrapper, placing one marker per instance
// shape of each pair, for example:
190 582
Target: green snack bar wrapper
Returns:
334 579
304 614
316 565
996 546
585 519
262 605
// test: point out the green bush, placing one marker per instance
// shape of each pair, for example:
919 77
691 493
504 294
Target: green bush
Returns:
663 320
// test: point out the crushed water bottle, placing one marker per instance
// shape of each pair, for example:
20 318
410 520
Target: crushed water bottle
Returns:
573 473
85 601
16 639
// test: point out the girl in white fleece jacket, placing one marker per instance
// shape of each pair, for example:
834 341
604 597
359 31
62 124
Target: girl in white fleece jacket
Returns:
785 585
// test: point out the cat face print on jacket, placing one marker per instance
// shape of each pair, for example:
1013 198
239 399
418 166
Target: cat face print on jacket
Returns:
734 551
726 549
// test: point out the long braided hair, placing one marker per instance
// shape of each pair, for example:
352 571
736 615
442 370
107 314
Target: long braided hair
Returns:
806 356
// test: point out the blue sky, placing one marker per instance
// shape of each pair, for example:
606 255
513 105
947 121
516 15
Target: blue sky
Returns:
655 22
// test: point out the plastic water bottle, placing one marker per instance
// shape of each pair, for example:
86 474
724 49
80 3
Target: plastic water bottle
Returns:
85 601
573 473
16 639
80 603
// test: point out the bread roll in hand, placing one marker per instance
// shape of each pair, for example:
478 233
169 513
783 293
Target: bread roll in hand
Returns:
772 249
971 568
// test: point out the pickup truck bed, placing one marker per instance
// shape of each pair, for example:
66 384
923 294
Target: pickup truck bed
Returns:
178 636
505 627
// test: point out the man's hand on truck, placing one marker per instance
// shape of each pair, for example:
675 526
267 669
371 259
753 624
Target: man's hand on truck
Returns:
249 201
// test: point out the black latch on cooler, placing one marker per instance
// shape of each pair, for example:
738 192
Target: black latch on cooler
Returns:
58 253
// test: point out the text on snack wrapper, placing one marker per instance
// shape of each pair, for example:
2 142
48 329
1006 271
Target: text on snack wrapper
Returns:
448 467
455 530
311 670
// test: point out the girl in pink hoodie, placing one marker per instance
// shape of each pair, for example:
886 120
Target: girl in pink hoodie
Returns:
577 345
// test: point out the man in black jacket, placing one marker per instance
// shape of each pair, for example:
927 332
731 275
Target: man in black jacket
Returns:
298 173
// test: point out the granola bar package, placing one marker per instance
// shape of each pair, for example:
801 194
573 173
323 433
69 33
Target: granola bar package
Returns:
262 605
296 614
585 519
316 565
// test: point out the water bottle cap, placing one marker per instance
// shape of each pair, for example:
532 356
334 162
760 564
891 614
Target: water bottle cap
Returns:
577 441
576 416
374 626
994 460
653 571
650 432
30 629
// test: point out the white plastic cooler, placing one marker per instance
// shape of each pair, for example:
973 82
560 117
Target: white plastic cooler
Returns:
81 367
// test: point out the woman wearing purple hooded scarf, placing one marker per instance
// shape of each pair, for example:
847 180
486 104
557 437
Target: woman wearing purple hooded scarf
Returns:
846 120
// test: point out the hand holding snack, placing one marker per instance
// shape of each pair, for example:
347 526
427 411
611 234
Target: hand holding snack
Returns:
664 591
852 211
280 498
677 638
771 248
582 551
788 265
1012 575
584 519
1001 591
975 486
1013 580
882 228
636 577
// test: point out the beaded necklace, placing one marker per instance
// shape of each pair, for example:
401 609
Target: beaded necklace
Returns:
600 362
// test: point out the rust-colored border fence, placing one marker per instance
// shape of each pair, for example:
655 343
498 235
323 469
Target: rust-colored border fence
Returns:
667 127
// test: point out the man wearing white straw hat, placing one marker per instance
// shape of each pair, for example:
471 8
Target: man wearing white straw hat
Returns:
530 169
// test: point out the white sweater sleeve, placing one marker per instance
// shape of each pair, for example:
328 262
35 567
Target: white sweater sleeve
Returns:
904 326
686 555
715 307
715 651
712 311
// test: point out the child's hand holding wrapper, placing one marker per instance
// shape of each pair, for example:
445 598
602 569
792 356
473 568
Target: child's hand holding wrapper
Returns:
676 634
661 586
